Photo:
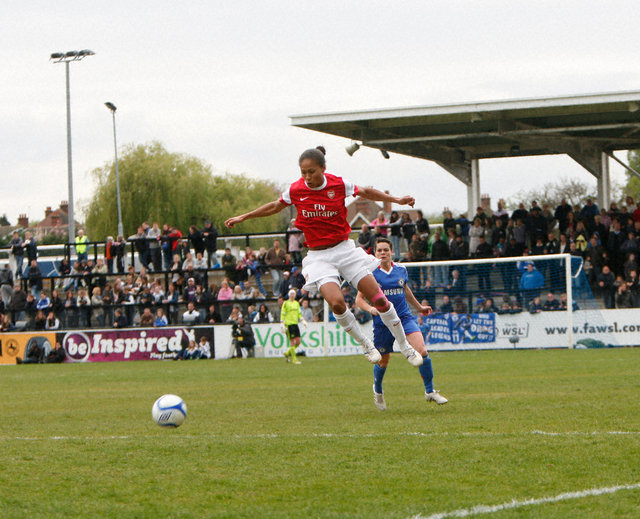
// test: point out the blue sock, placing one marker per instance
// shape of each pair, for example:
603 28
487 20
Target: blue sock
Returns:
426 372
378 375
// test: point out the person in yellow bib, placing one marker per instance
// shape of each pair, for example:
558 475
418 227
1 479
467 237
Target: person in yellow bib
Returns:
290 316
81 246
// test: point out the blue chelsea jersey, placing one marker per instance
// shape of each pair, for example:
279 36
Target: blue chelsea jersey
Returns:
392 284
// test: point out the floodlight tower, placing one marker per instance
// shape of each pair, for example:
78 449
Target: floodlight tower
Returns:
66 58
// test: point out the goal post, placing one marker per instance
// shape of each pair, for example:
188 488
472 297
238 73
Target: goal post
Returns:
524 301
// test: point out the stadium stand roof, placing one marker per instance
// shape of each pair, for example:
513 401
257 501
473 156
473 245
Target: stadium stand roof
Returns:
588 128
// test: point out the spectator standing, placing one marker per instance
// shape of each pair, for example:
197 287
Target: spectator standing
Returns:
154 235
81 246
275 260
16 248
30 247
531 283
196 239
408 228
561 213
97 311
606 284
18 304
381 221
366 239
395 229
476 230
140 243
422 226
6 284
119 249
35 278
294 242
210 237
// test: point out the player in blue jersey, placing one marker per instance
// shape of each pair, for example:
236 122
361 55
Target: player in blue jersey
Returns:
393 280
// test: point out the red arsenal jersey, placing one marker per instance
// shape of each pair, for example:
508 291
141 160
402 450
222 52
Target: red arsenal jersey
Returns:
322 214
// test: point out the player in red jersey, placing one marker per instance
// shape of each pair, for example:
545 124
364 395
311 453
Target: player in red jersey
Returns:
319 198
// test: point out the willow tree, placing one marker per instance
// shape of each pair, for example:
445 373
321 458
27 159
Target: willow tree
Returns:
173 188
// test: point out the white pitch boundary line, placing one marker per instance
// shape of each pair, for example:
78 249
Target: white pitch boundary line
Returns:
487 509
333 435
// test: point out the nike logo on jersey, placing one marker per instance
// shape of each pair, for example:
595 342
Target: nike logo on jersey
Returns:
302 199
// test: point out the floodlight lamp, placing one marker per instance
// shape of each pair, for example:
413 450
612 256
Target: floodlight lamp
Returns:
86 52
385 153
71 54
352 148
111 106
57 55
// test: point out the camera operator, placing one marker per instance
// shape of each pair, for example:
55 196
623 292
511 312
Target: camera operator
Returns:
243 339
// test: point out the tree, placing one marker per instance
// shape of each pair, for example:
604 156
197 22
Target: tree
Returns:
632 187
173 188
573 190
4 220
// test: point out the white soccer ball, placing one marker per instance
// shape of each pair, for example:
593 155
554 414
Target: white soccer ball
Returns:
169 411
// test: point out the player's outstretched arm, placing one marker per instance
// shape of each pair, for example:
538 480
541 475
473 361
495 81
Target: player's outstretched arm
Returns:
362 303
264 210
411 299
378 196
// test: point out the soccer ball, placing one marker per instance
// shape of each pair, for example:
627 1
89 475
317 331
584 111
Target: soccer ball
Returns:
169 411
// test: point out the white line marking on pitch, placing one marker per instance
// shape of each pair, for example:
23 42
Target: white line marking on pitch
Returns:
487 509
333 435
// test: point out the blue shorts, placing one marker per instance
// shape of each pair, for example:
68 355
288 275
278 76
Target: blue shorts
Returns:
383 339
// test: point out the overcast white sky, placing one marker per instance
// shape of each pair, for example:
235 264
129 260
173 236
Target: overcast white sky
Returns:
219 80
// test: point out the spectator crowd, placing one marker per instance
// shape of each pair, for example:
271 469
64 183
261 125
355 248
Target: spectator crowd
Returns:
181 279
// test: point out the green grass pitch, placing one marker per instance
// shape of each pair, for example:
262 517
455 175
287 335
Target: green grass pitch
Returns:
267 439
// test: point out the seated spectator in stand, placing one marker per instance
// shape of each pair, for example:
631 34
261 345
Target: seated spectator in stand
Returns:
213 316
44 303
52 322
120 319
40 321
446 307
263 315
535 305
199 262
459 306
161 319
551 304
305 310
234 315
204 347
147 318
191 316
488 307
623 296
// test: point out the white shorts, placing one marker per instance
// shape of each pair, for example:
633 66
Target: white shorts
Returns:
345 259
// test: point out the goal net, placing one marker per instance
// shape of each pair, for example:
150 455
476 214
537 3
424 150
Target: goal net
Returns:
522 302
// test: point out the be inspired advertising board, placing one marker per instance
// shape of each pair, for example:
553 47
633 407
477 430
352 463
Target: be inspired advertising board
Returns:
131 344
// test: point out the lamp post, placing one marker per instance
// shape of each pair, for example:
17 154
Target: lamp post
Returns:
66 58
112 108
